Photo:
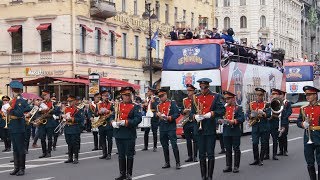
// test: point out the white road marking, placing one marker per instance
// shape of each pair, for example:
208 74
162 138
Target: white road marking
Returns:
48 178
143 176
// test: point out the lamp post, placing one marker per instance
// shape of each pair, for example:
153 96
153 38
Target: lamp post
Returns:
148 16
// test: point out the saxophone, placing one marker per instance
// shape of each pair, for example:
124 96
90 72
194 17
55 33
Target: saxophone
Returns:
255 115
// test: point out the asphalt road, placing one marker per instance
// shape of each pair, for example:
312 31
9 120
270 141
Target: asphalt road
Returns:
147 164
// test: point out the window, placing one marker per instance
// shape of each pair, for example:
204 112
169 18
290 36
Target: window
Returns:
98 41
226 22
217 3
83 36
123 5
17 41
124 45
242 2
136 45
184 15
216 22
243 22
263 22
192 21
46 40
112 44
226 3
158 10
262 2
167 14
135 7
175 14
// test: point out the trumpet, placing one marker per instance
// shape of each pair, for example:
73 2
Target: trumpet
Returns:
199 108
307 118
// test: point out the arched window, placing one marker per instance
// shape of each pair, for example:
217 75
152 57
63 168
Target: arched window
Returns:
243 22
263 22
216 22
226 22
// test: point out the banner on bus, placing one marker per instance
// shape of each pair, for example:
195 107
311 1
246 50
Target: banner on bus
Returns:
299 73
177 80
192 57
297 87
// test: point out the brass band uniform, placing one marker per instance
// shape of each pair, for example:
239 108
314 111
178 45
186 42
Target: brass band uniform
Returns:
168 112
17 107
309 120
47 124
95 115
73 117
207 109
28 129
4 131
105 109
127 116
231 131
259 112
150 108
189 125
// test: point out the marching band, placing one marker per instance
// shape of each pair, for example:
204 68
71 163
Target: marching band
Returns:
119 119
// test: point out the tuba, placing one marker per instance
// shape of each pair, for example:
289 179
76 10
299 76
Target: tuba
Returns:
276 106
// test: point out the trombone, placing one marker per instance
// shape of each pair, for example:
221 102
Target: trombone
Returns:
277 106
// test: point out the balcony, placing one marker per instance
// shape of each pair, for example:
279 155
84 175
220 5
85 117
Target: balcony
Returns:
46 57
16 58
101 9
156 64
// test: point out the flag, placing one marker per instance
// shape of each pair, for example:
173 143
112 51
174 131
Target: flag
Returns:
153 42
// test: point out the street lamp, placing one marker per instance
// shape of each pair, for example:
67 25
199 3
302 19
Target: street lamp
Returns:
148 16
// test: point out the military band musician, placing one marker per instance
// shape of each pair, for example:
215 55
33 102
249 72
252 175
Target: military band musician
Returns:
4 126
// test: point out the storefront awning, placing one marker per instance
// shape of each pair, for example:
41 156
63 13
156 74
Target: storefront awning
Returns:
102 31
43 27
14 29
86 27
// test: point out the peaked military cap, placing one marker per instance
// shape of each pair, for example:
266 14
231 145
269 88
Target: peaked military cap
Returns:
161 91
5 97
71 98
96 94
310 89
191 86
16 85
204 80
126 90
278 91
152 89
228 94
45 92
260 89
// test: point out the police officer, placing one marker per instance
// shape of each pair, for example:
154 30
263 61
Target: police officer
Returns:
104 110
16 109
309 120
127 116
152 102
4 130
94 113
168 112
47 130
190 125
285 114
207 109
231 131
73 117
260 130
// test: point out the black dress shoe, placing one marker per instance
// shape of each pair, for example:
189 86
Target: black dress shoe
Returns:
280 154
227 169
166 165
5 150
195 159
14 172
189 159
108 157
76 161
11 160
48 155
102 157
235 170
254 163
68 161
266 158
144 149
275 158
54 148
20 172
178 166
285 154
43 156
95 149
260 163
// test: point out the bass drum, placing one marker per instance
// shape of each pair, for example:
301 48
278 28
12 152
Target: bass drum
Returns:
145 123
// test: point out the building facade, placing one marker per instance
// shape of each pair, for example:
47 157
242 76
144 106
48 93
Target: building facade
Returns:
263 21
68 38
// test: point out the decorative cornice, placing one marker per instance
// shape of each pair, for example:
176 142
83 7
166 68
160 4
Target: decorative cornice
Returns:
83 18
16 19
51 16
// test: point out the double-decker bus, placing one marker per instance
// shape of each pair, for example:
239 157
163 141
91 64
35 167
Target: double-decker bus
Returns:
186 61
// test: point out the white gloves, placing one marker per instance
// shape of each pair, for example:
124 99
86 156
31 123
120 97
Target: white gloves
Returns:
55 117
199 117
122 123
305 124
115 124
207 115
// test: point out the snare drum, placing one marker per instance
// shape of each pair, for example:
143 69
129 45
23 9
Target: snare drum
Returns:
145 123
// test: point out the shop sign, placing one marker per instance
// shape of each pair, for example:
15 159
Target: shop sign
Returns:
40 72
